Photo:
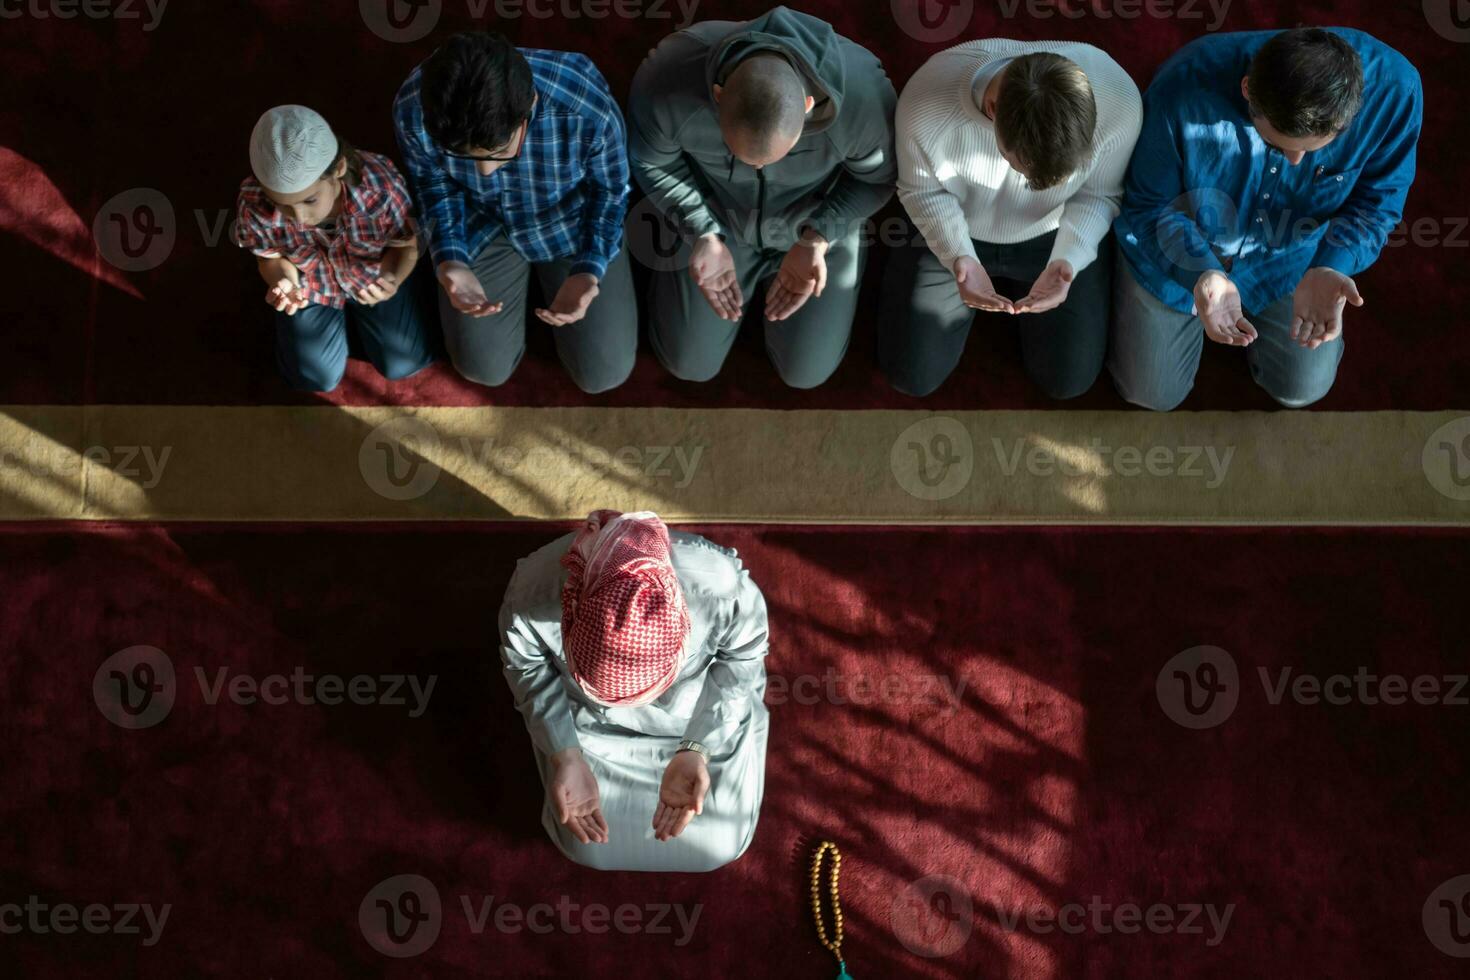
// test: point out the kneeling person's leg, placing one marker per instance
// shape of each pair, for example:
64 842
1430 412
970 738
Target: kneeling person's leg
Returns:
311 347
1293 375
1063 348
808 346
599 350
923 322
395 332
629 771
1155 348
690 339
487 350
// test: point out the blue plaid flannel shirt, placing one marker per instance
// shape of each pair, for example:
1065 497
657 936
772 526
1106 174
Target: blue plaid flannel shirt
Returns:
565 195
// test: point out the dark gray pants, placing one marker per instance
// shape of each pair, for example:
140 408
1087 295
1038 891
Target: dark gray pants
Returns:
924 323
598 350
692 341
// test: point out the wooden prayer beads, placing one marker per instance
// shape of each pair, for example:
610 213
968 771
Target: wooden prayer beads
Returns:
835 943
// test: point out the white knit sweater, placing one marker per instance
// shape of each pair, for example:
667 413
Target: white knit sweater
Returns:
955 184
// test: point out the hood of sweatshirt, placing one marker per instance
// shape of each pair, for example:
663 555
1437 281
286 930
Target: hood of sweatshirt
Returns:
809 44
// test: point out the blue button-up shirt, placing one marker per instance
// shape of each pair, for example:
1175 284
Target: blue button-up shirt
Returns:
563 197
1204 191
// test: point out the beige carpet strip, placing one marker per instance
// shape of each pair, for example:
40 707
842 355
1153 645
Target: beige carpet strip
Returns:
142 463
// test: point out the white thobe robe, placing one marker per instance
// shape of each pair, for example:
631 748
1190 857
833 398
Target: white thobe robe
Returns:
717 699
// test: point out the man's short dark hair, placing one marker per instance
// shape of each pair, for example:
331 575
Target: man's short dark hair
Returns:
765 98
1046 115
475 91
1307 82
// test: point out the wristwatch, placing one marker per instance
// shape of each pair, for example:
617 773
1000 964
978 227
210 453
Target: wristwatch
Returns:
690 745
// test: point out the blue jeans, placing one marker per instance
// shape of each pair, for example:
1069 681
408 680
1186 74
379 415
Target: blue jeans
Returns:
311 347
1156 350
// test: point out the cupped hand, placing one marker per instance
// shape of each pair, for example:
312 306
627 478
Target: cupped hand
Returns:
681 794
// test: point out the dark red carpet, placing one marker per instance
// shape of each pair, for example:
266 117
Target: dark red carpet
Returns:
97 108
1057 779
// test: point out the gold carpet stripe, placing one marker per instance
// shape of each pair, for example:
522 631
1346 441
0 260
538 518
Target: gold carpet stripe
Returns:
150 463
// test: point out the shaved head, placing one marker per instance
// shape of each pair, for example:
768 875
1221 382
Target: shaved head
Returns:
763 106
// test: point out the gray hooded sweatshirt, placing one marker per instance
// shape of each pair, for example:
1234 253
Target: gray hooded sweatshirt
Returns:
840 172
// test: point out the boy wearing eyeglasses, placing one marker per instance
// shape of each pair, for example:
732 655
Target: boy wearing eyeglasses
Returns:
518 158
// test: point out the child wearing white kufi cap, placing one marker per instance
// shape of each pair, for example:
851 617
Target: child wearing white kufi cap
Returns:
333 238
292 148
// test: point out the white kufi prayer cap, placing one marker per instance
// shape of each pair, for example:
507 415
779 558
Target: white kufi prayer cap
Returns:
291 148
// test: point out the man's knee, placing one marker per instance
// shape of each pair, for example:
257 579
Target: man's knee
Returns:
687 362
806 365
808 370
1070 381
806 377
1298 392
605 378
317 376
702 859
399 368
490 372
687 368
1149 391
604 354
1157 400
912 383
1297 378
594 856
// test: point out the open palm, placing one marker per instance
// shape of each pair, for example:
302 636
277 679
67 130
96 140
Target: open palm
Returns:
681 795
578 802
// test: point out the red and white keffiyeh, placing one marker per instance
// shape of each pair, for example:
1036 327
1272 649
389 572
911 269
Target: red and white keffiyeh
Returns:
623 615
